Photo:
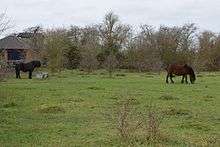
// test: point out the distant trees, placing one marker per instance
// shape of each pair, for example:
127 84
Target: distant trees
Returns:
112 44
209 51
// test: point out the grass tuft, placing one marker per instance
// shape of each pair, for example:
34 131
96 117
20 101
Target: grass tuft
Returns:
95 88
8 105
168 97
178 112
120 75
51 109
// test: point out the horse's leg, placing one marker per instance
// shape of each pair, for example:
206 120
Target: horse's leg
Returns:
30 74
167 78
18 74
183 79
171 76
186 79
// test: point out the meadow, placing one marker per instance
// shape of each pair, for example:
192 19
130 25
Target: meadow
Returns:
72 109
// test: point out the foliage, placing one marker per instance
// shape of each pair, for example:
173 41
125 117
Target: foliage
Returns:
73 57
148 49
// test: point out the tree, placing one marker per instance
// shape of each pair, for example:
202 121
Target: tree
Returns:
113 38
34 36
144 53
4 23
176 44
209 51
73 56
56 44
90 48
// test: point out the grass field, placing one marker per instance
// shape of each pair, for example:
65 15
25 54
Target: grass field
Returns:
69 109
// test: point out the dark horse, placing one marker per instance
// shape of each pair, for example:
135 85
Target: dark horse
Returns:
26 67
180 70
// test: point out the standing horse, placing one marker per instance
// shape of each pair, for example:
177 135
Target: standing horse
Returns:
180 70
26 67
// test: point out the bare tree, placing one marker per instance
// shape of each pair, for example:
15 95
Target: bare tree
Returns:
145 50
89 49
4 23
34 36
113 37
209 51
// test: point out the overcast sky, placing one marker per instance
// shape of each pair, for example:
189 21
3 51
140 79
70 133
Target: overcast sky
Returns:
56 13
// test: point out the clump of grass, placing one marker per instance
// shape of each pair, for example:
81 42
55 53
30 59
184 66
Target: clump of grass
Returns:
102 73
120 75
209 96
195 125
77 100
168 97
8 105
177 112
114 97
51 109
95 88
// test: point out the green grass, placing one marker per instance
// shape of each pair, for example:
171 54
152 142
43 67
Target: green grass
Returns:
68 109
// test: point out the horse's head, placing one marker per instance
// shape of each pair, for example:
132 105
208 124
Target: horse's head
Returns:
192 75
37 63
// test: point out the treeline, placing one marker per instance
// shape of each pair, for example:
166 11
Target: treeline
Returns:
114 45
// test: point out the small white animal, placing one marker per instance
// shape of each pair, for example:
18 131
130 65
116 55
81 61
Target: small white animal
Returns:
42 75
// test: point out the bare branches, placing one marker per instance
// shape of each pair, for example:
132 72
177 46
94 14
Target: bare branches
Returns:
4 23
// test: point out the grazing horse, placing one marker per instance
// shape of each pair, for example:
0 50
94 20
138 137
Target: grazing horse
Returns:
180 70
26 67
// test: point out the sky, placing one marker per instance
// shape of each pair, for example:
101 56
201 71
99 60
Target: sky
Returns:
59 13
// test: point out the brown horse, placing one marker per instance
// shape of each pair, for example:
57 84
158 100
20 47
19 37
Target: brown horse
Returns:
180 70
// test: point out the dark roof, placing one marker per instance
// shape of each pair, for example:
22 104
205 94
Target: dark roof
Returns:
13 42
26 35
29 35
